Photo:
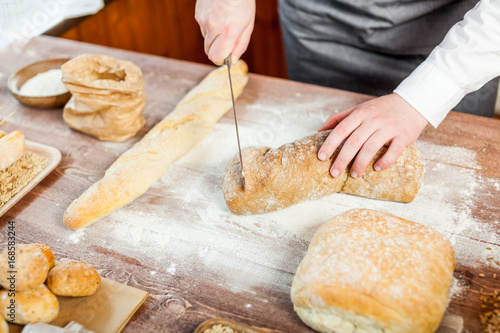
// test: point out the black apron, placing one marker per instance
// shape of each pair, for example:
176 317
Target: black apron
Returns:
370 46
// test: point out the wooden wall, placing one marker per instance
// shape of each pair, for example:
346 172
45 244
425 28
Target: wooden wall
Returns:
168 28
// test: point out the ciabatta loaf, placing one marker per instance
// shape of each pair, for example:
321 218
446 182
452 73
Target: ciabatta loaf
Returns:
138 168
370 271
12 148
278 178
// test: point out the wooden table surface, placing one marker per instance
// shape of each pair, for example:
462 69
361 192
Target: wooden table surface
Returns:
180 243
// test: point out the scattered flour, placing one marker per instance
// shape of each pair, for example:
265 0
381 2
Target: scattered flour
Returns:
190 222
171 269
75 236
451 155
457 289
182 226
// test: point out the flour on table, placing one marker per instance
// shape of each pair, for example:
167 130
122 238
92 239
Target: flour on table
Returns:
171 269
457 289
190 222
183 217
76 236
452 155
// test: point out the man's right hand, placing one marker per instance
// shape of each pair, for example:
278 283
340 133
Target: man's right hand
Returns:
226 26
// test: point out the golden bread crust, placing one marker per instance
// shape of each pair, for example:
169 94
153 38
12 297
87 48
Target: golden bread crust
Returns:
51 258
387 271
284 176
32 306
30 265
12 148
73 278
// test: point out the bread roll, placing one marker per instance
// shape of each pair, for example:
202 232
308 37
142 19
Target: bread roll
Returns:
32 306
51 258
370 271
73 278
29 264
12 148
281 177
138 168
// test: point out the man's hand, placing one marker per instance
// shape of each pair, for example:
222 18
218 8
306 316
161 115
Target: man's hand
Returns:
226 26
387 120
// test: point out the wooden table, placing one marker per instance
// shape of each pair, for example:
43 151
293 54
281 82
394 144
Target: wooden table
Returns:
181 244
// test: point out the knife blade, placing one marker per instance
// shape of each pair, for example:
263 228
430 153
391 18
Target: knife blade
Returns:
228 63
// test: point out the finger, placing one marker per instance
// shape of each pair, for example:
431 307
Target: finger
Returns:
337 135
201 22
365 155
222 47
331 122
203 31
392 154
334 119
242 43
209 40
350 148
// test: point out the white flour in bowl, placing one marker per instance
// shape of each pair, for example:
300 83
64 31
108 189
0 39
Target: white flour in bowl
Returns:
44 84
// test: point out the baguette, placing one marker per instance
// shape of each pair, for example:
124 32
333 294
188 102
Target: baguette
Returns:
292 173
12 148
371 271
138 168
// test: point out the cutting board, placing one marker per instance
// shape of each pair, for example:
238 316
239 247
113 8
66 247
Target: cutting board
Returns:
106 311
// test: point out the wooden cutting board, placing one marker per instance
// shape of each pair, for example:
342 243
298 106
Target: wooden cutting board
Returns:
108 310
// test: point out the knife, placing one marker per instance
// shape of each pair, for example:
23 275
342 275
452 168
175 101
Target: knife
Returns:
228 63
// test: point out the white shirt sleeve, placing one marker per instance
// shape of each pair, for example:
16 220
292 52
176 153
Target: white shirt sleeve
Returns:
466 59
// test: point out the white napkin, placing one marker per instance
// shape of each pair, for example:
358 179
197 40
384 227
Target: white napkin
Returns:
24 19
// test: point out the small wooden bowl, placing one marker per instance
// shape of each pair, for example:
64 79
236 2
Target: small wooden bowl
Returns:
17 80
238 327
